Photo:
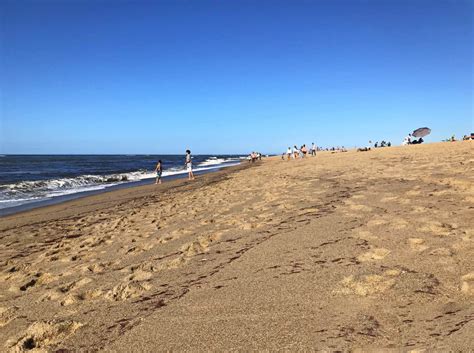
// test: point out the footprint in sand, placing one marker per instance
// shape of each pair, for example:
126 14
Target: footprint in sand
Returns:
373 254
369 284
40 335
39 279
417 244
49 295
127 290
73 298
437 228
74 285
67 293
202 244
199 246
175 263
136 249
165 239
143 266
97 267
15 270
140 275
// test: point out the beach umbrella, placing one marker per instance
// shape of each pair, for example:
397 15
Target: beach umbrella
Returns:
421 132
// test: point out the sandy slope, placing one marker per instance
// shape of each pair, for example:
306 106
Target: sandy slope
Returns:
343 251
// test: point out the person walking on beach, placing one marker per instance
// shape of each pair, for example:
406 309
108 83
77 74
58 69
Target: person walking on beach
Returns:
296 152
289 152
313 149
189 165
159 171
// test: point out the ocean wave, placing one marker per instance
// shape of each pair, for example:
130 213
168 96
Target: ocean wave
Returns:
29 191
216 161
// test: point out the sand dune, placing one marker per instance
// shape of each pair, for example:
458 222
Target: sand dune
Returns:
344 251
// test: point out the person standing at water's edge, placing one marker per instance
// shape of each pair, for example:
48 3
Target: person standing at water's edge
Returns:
159 171
189 165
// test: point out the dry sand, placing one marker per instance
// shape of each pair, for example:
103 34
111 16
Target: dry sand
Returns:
345 251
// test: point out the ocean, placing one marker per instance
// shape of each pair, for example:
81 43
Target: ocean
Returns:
33 179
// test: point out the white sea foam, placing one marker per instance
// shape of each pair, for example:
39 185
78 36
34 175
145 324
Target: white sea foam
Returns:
217 161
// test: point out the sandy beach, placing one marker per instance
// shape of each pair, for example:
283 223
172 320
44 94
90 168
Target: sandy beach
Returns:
356 251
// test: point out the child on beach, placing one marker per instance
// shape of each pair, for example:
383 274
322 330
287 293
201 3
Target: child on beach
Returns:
159 171
189 165
289 153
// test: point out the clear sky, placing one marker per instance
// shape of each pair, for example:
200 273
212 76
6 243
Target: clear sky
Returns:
231 76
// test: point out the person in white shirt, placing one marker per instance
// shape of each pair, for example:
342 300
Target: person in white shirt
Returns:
289 152
408 140
296 152
313 149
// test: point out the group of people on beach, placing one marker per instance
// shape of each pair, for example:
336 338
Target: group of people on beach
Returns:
464 138
254 156
301 152
411 140
188 163
382 144
336 149
375 145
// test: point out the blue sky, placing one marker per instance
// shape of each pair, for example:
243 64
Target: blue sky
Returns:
230 76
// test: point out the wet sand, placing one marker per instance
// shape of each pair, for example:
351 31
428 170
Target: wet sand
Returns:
346 251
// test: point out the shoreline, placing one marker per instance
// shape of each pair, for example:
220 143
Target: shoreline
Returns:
107 198
81 194
345 251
